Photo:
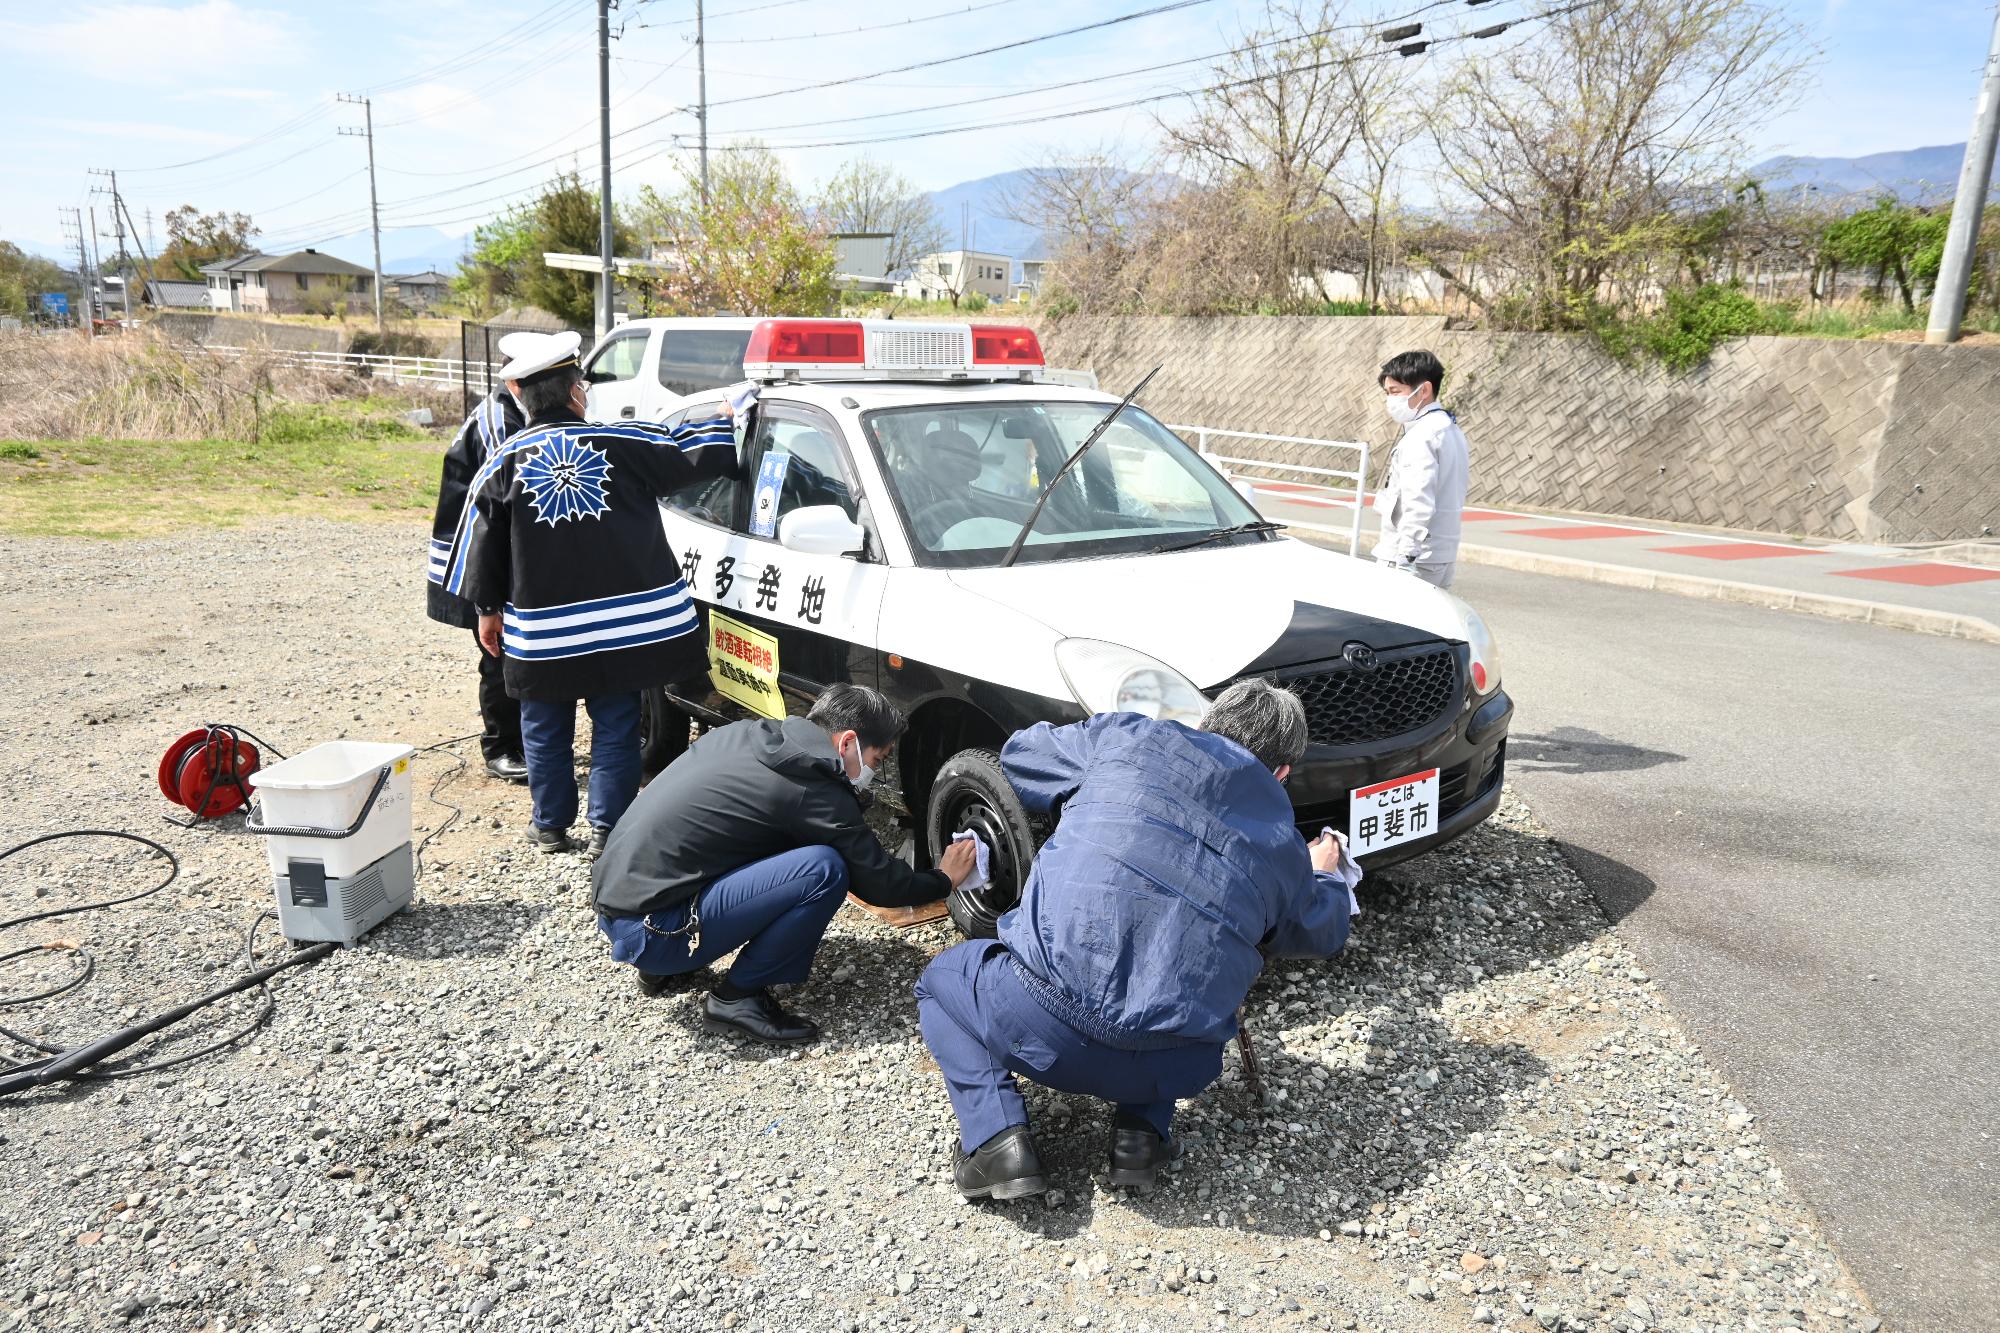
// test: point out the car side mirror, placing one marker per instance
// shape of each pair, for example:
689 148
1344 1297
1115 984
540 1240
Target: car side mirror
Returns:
821 530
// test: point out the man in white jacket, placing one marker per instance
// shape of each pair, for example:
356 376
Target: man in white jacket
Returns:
1421 503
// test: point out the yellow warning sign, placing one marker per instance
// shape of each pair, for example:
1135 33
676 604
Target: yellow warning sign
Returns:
743 663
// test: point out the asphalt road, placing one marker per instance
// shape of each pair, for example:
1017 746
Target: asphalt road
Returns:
1797 823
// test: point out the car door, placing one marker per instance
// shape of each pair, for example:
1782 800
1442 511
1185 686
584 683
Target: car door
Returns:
805 620
613 374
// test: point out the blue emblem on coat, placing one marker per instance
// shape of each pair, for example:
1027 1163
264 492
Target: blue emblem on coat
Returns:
565 478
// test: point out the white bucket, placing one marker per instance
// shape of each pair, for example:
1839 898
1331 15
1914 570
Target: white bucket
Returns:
326 789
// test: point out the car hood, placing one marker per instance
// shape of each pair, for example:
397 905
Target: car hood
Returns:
1216 612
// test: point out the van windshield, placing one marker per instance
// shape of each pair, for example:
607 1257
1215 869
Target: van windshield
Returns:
966 476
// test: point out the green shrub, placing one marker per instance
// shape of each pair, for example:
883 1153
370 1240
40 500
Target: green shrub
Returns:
973 303
18 451
1347 308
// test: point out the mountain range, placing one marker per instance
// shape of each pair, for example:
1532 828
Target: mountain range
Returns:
974 213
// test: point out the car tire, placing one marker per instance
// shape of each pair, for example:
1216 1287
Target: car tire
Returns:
971 791
663 731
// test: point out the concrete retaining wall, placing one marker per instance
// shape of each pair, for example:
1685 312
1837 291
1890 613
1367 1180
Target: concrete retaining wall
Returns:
1850 440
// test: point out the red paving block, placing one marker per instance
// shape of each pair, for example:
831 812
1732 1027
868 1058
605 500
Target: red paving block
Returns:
1921 575
1583 532
1484 515
1734 550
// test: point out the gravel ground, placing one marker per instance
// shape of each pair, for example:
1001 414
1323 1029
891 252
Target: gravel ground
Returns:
1481 1116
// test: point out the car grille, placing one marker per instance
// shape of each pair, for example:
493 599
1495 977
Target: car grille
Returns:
1407 690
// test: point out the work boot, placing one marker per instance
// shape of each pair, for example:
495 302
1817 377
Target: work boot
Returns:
549 840
1003 1167
508 767
1137 1154
598 837
756 1015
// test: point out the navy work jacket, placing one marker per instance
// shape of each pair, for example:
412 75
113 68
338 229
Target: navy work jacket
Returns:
1175 871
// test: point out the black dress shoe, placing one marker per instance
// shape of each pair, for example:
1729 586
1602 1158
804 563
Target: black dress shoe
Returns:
595 848
1137 1154
1003 1167
550 840
756 1015
508 767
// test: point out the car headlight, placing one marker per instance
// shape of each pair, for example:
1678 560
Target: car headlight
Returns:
1111 678
1485 652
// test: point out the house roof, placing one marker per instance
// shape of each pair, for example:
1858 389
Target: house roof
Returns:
429 277
301 261
221 266
177 293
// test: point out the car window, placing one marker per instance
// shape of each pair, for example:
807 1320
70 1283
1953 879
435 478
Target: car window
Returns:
618 359
692 360
967 476
714 500
798 463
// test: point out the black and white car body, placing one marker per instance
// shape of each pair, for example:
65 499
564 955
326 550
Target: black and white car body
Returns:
888 467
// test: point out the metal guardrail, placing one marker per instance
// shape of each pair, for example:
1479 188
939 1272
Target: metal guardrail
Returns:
1357 476
432 369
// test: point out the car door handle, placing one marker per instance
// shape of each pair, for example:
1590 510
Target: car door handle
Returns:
628 412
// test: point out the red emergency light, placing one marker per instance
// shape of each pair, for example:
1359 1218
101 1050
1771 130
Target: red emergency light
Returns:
818 342
1005 345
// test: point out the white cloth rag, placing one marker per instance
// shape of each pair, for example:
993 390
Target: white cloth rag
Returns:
1347 870
742 397
982 861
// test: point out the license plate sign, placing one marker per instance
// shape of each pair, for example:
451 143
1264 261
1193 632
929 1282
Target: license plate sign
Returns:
1387 813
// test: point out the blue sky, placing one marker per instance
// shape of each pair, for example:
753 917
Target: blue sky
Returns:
229 103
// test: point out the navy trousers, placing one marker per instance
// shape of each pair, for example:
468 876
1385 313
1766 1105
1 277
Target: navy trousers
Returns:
983 1027
548 743
775 910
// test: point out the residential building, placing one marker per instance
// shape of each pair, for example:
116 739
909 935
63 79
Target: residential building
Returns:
176 294
957 273
302 281
1033 273
421 292
861 260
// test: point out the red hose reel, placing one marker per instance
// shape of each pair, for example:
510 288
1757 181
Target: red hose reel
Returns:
204 771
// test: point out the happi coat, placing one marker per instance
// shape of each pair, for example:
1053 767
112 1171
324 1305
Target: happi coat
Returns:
562 539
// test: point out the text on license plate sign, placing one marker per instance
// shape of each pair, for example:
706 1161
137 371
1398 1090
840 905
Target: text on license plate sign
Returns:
1391 812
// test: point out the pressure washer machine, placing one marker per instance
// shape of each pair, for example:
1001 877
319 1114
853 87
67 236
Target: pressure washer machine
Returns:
336 823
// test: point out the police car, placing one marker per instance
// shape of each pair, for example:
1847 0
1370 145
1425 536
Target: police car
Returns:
875 536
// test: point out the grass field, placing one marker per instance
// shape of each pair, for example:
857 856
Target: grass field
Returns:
351 458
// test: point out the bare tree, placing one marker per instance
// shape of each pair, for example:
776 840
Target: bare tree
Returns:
1272 130
1387 120
870 196
1578 138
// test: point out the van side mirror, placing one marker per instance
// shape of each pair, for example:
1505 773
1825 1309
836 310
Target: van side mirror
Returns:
820 530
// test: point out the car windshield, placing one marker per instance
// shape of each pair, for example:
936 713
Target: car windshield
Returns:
966 476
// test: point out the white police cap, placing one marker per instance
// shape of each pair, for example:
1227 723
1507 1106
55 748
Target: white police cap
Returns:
531 354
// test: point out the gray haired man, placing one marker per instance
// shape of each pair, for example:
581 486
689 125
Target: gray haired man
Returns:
1175 872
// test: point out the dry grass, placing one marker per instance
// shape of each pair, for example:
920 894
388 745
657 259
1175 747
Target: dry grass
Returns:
140 386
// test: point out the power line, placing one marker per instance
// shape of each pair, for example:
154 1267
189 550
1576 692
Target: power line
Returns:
1224 86
1014 45
538 22
727 13
960 12
291 126
1092 79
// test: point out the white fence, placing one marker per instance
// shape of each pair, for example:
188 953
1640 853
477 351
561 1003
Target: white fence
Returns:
1355 479
428 369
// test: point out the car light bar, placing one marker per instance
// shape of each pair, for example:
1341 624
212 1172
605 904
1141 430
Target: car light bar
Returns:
883 349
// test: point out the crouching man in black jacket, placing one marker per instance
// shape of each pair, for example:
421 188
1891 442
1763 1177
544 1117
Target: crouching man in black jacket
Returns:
751 840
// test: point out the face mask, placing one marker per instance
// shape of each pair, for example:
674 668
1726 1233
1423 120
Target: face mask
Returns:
867 775
1400 410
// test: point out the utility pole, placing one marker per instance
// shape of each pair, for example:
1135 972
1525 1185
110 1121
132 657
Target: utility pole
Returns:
96 273
118 225
604 167
367 131
73 226
1962 238
701 93
144 257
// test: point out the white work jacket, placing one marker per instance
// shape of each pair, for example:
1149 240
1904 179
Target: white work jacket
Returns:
1421 503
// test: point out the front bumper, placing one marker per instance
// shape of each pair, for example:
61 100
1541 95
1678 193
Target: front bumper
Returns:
1471 759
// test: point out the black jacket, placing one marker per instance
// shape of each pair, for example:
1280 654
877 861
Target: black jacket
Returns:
742 793
562 539
496 417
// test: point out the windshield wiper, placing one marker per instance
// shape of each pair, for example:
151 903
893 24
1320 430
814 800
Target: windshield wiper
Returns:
1021 537
1261 525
